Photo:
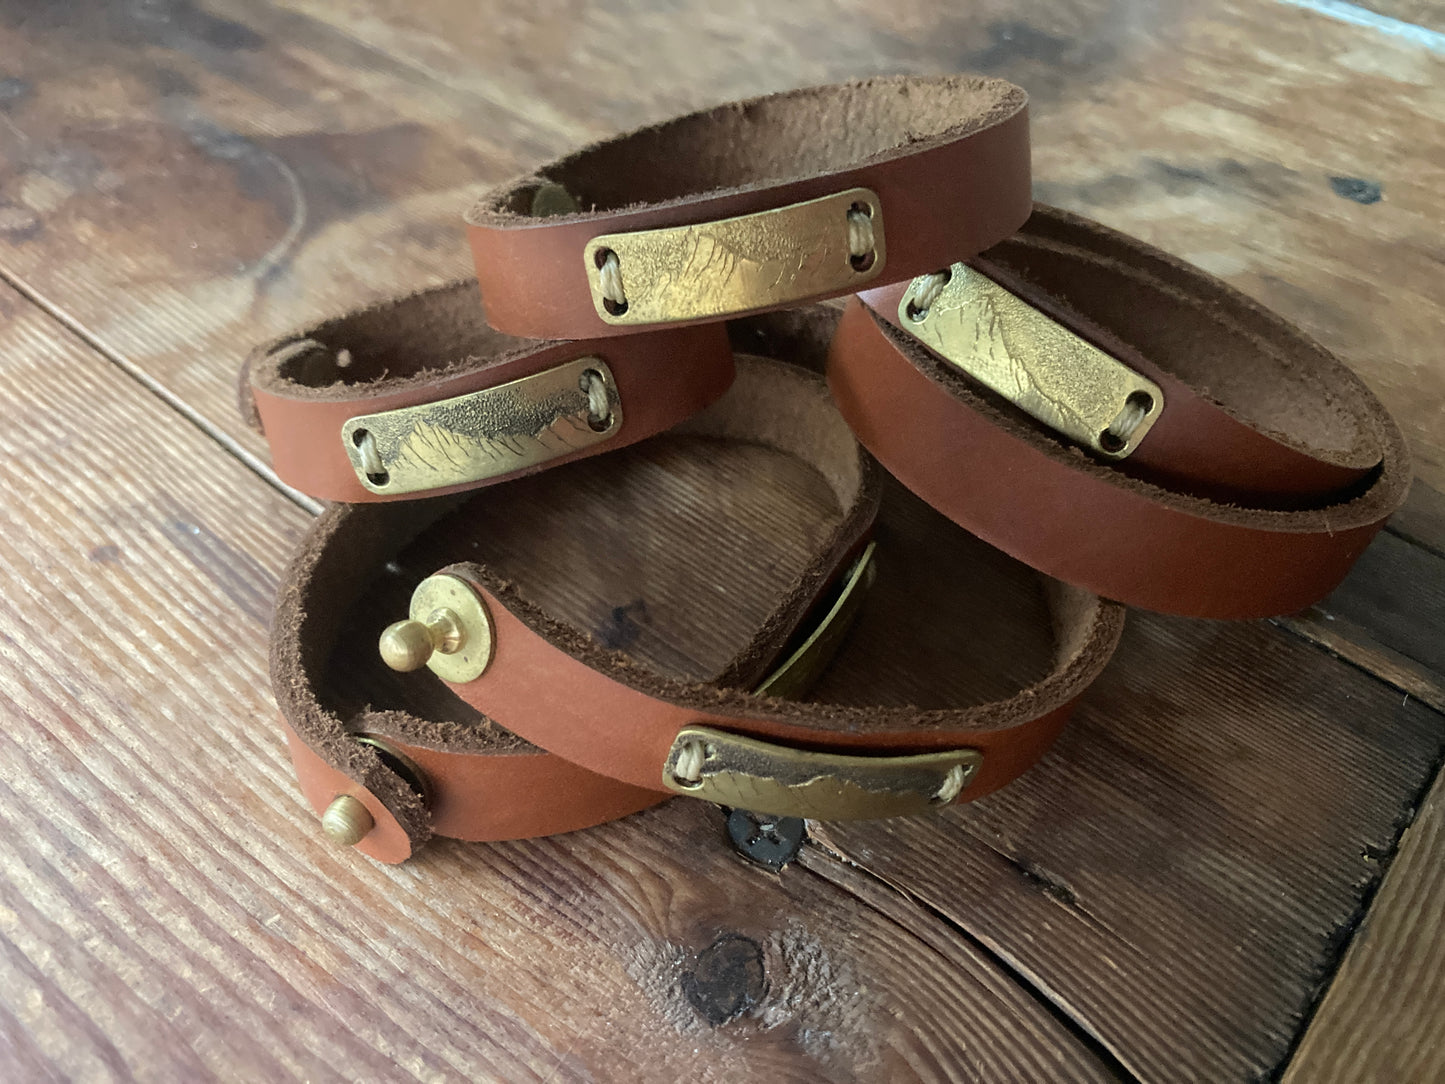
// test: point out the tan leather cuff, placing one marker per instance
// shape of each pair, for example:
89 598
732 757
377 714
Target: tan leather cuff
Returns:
605 711
431 767
1268 471
420 761
938 166
418 397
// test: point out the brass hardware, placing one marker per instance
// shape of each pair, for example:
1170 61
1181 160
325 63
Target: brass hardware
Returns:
346 821
485 434
766 778
734 265
1040 366
450 631
803 667
769 841
407 645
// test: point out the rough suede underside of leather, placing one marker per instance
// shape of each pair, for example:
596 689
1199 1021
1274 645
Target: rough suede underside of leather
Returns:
1250 363
766 141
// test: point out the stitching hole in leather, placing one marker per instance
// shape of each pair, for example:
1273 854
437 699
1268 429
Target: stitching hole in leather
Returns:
924 297
609 273
376 474
687 769
599 410
860 237
1136 409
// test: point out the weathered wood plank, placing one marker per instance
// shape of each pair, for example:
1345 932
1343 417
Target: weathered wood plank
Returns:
1388 617
179 180
1382 1018
249 168
169 912
1179 873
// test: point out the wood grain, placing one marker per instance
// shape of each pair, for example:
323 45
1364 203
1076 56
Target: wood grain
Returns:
169 912
1179 873
1382 1018
180 179
1388 617
253 167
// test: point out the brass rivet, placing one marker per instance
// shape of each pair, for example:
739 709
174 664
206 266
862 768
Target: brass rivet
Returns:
346 821
449 630
408 645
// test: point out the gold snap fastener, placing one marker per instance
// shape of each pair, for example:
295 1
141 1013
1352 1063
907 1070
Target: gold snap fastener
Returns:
449 631
346 821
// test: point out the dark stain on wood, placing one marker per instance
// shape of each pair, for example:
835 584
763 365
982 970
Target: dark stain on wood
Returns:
621 629
1357 189
12 90
727 980
1012 40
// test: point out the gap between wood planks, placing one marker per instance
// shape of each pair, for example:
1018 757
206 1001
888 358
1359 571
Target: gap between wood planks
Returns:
876 891
1345 937
161 392
887 898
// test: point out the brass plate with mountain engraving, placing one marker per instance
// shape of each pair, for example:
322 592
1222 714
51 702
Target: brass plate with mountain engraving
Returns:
766 778
485 434
734 265
1040 366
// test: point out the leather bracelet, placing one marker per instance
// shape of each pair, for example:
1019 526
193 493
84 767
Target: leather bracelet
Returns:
846 754
383 770
756 205
417 397
394 760
1268 468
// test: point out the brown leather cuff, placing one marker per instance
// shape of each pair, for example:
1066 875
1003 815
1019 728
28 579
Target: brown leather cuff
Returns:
420 760
937 591
419 765
418 397
939 166
1268 471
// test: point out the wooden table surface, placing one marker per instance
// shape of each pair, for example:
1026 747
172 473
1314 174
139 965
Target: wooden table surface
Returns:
1232 867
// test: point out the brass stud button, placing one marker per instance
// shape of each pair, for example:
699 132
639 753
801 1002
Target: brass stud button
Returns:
407 645
346 821
449 630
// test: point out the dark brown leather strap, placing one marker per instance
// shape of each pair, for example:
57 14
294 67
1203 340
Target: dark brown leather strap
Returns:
1307 459
947 159
613 716
433 347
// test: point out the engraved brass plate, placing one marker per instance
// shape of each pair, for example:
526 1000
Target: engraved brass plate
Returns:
735 265
484 434
1041 367
767 778
804 666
